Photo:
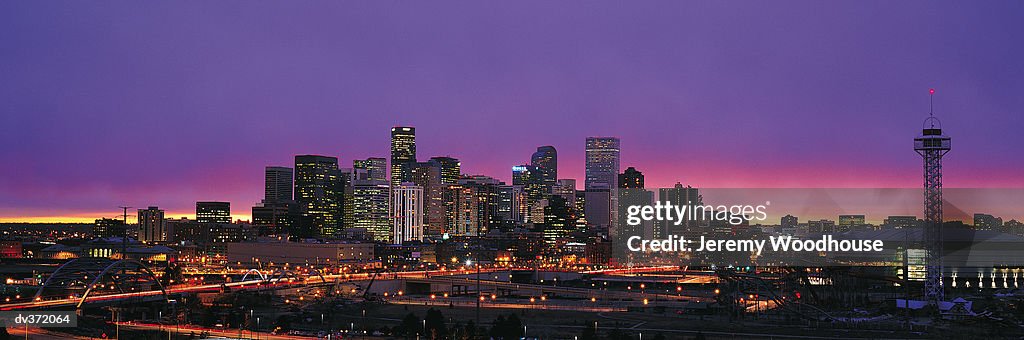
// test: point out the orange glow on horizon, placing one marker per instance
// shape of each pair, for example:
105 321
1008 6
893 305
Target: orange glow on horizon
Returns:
92 217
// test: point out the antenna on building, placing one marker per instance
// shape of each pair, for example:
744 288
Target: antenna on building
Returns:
931 102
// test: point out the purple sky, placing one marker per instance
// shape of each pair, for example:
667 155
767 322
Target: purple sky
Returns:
165 103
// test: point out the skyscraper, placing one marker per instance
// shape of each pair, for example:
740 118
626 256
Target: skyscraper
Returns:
213 212
428 176
407 213
471 205
602 168
529 178
511 205
375 168
566 187
277 212
682 195
558 220
403 153
278 184
602 171
450 168
631 179
545 160
370 201
789 221
319 194
151 225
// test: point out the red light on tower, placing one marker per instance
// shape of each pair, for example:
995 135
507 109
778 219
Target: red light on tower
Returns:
931 91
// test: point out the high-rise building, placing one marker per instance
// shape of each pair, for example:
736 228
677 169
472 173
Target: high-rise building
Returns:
530 179
472 205
407 213
602 168
545 161
558 220
450 168
374 168
271 218
428 176
370 200
602 171
789 221
319 192
681 195
403 153
277 212
108 227
645 229
987 222
511 205
278 184
151 225
631 179
566 188
213 212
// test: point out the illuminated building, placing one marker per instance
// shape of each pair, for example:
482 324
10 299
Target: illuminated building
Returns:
277 212
602 174
789 221
566 188
403 153
450 168
213 212
370 208
631 179
529 178
471 205
558 220
900 222
848 222
428 176
277 184
407 213
545 162
511 205
602 163
987 222
272 218
680 195
108 227
375 168
151 225
319 193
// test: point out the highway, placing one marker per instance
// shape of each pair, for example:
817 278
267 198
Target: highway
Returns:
257 284
427 276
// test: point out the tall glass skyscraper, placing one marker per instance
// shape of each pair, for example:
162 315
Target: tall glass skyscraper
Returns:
546 162
374 167
451 169
602 163
318 192
602 171
403 153
278 184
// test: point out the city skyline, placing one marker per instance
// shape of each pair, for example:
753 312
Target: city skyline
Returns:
197 117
